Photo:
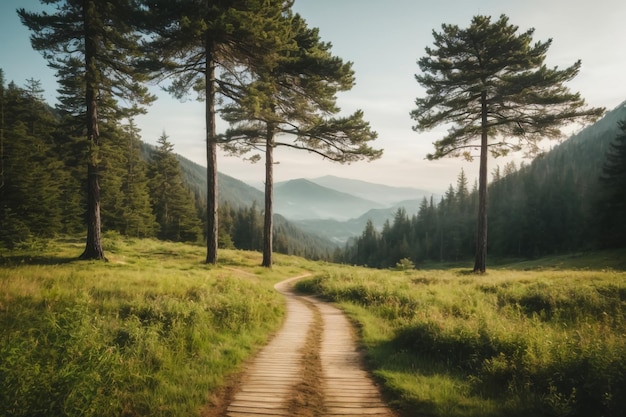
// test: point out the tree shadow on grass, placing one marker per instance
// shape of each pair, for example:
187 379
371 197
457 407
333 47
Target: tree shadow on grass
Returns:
44 260
440 368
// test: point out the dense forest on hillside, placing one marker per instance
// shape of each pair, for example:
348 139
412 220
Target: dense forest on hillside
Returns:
560 202
145 191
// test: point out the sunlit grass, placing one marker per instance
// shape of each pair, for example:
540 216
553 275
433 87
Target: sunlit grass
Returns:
152 332
155 331
509 343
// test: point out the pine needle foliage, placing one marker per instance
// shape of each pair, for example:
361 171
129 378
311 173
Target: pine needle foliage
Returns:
490 85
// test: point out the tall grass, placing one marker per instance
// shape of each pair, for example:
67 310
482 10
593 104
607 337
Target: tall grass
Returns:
512 343
153 332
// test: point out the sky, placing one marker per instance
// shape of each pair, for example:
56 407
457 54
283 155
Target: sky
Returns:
383 40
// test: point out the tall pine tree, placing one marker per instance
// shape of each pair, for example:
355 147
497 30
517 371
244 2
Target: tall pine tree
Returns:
101 37
491 84
294 95
191 41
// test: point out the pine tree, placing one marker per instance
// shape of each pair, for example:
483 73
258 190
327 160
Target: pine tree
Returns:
173 204
99 38
227 225
367 246
194 39
613 200
294 95
126 205
490 83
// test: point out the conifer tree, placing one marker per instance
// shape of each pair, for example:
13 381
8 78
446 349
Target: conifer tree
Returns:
126 205
294 95
173 204
613 198
191 41
367 247
99 38
227 224
32 174
491 84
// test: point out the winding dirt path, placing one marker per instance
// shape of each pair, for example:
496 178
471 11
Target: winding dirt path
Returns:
311 368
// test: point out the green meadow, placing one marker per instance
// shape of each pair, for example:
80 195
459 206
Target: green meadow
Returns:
526 340
153 332
156 332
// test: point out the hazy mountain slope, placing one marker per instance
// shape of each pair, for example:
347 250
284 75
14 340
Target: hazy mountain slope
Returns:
238 194
230 190
302 199
302 242
340 231
382 194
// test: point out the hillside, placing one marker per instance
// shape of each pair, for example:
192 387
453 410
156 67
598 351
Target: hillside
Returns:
327 215
239 195
341 231
303 199
554 205
230 190
380 193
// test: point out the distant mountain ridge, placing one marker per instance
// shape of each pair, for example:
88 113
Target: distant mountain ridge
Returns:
340 232
331 208
302 199
383 194
337 208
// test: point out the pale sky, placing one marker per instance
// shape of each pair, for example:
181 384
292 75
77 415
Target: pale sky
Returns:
383 39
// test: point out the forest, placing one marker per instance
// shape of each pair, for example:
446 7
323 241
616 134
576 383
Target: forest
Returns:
556 203
144 190
272 77
567 200
281 90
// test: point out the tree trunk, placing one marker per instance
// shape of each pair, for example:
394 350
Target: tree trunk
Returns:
268 223
211 157
480 264
93 247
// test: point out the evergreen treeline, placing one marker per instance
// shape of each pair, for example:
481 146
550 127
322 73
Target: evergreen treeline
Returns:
570 199
144 192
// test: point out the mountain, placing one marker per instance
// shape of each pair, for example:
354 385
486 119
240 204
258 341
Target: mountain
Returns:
302 199
383 194
333 213
239 195
230 190
340 232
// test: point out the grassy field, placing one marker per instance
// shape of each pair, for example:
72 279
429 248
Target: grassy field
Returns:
155 332
531 340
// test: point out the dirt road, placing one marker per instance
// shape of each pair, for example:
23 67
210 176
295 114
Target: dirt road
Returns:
310 368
